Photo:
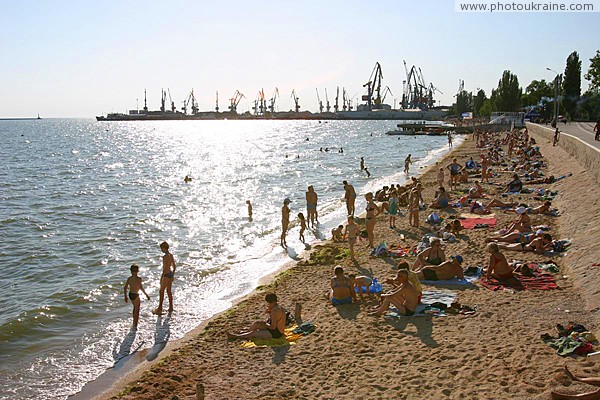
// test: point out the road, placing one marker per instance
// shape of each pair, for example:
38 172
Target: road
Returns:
581 130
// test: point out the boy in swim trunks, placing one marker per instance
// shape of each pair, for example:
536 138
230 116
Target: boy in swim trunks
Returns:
166 280
134 284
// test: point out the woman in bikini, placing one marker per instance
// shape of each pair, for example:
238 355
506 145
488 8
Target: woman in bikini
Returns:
537 245
166 280
341 291
351 232
372 211
433 255
285 221
498 267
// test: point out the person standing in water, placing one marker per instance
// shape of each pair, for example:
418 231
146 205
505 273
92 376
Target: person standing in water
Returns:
311 206
249 209
166 280
134 284
362 163
449 140
285 221
350 197
407 163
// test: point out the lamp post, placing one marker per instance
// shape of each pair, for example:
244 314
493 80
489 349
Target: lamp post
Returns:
556 89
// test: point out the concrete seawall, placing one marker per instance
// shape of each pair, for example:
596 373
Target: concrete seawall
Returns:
578 200
586 155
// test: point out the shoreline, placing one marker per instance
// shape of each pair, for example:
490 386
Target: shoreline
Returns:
135 364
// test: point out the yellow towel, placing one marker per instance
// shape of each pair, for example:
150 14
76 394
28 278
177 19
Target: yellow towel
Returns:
289 338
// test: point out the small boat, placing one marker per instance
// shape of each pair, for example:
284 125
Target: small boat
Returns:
403 132
421 129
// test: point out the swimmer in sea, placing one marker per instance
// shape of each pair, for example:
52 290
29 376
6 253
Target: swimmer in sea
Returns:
166 280
134 284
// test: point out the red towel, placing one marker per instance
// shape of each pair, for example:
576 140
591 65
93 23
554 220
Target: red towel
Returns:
520 282
470 223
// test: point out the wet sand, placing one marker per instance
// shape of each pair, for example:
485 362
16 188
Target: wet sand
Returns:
495 353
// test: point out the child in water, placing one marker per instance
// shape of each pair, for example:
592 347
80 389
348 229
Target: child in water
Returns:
302 226
249 209
134 284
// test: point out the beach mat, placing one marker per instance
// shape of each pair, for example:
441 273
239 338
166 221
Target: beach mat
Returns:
470 223
520 282
429 297
288 339
466 281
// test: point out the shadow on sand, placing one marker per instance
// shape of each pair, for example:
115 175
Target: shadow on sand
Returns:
424 327
124 351
348 311
161 336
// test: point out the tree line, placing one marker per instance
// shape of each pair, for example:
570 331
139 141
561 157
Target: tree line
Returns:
539 96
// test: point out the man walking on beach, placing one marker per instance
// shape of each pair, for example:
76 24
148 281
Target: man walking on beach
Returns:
350 197
407 163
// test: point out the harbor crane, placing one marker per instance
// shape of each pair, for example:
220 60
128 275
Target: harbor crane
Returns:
417 93
296 99
145 103
374 88
272 100
190 101
344 99
163 99
336 107
217 103
327 106
385 93
235 100
320 102
173 108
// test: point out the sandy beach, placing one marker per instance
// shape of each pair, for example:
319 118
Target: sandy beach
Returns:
495 353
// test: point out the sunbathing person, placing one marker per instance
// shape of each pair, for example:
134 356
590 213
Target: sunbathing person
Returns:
432 255
478 208
442 200
476 192
515 185
405 298
341 289
522 224
272 328
595 395
446 270
550 179
498 266
454 227
501 204
537 245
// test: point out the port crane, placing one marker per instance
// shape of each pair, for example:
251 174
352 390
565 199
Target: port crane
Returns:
145 103
235 100
163 99
272 100
217 103
385 93
336 107
327 106
190 101
374 88
417 93
173 108
320 102
296 99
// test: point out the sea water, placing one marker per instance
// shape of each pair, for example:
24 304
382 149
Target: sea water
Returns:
80 201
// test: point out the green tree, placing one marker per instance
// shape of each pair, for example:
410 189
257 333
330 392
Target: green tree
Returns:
478 101
593 74
536 91
589 108
464 102
507 97
572 84
487 108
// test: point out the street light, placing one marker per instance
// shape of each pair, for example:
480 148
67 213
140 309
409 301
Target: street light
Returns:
556 85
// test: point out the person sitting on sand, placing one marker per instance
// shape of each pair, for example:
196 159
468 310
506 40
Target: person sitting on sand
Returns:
134 284
166 279
359 282
538 245
515 185
272 328
463 177
522 224
405 298
476 192
442 200
432 255
341 291
446 270
336 233
454 227
412 278
498 267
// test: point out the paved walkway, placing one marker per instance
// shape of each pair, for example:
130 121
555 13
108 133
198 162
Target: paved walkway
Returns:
581 130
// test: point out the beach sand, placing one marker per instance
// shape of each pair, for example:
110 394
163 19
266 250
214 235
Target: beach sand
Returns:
496 353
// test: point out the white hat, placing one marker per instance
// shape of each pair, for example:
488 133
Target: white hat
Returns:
520 210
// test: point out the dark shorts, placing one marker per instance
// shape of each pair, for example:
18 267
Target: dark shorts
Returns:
409 312
133 296
169 275
275 333
429 275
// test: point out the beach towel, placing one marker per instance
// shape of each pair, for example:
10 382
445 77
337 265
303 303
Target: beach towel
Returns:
466 281
289 338
472 223
429 298
518 281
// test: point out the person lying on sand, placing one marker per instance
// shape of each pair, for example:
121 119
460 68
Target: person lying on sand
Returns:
272 328
516 237
515 185
341 289
595 395
446 270
432 255
537 245
543 208
405 298
498 266
501 204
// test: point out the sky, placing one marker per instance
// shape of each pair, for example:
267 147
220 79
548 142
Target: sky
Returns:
83 58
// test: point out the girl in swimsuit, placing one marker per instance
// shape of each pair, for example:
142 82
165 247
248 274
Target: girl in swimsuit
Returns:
433 255
393 208
351 231
372 211
498 266
166 281
341 291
